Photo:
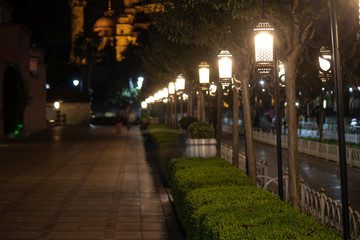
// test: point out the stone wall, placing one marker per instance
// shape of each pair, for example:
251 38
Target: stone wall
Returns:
76 113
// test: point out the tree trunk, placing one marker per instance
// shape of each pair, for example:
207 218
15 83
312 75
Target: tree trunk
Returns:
198 107
176 112
168 113
171 113
292 132
219 118
321 117
235 157
245 76
202 107
189 106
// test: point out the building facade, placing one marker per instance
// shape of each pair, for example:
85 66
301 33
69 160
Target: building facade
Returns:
16 56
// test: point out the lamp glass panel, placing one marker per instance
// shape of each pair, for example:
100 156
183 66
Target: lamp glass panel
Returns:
171 88
264 43
180 83
225 67
204 75
324 63
165 92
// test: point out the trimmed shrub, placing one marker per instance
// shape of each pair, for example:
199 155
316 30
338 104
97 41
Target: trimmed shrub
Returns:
186 121
161 142
190 173
214 200
201 130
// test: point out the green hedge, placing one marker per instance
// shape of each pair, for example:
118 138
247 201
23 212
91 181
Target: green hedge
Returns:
161 142
214 200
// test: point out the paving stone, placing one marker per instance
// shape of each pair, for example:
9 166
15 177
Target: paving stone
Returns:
81 183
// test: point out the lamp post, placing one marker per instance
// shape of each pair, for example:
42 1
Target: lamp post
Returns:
171 89
204 80
179 87
266 63
166 101
225 78
340 118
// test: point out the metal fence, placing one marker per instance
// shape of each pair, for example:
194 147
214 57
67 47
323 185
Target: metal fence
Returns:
313 148
322 208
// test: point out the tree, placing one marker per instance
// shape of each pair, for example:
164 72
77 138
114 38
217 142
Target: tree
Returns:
297 22
218 24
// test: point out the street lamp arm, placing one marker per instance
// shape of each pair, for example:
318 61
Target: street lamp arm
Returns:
237 83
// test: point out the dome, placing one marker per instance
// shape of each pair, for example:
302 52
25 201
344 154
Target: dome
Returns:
105 22
105 26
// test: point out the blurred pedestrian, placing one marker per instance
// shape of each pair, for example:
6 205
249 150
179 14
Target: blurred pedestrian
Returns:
127 117
119 122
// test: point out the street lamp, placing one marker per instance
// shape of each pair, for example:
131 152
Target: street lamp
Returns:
180 87
180 84
325 64
171 90
340 118
225 68
204 74
76 83
266 63
204 80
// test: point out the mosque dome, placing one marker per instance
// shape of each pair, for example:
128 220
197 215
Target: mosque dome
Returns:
105 26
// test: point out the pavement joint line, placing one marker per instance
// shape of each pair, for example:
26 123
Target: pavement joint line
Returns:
72 192
80 203
33 188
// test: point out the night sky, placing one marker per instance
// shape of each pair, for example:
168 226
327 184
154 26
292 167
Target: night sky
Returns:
50 22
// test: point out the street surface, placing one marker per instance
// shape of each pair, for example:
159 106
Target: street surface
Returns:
317 173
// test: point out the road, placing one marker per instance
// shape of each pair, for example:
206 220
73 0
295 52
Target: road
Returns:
317 173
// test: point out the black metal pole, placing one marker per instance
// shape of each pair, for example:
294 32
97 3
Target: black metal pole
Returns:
219 107
278 124
246 155
340 119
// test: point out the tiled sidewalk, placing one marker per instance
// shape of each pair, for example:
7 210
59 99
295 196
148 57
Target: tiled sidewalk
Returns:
82 183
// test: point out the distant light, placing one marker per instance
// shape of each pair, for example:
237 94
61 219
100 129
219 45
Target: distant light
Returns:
143 104
140 83
322 89
47 86
351 89
262 82
212 89
263 90
297 104
56 105
358 88
171 88
76 82
300 93
324 104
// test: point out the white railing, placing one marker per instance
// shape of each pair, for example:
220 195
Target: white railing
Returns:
227 154
313 148
322 208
